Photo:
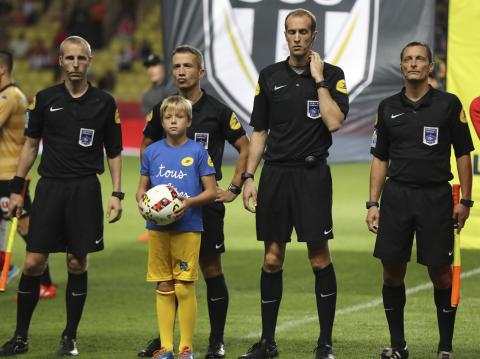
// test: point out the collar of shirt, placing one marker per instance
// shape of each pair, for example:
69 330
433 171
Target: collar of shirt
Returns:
7 86
425 101
77 99
291 71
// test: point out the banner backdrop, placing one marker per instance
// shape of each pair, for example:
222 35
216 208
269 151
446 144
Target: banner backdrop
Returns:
463 79
363 37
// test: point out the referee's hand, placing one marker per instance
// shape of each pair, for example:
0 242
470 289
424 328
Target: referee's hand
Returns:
250 194
116 205
15 205
373 217
460 215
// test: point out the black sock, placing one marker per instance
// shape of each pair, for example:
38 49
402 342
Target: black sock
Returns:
394 300
446 318
326 294
28 294
76 294
45 278
271 288
217 298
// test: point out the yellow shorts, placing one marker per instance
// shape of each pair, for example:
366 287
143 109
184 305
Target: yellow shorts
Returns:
173 255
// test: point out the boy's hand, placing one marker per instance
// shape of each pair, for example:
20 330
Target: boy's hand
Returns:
180 211
139 196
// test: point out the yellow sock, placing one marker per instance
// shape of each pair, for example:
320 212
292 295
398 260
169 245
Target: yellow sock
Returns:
187 312
166 311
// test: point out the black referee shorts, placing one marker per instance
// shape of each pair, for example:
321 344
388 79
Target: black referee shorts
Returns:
425 211
298 197
67 216
5 200
213 239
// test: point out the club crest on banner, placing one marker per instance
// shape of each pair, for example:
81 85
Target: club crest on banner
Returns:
243 36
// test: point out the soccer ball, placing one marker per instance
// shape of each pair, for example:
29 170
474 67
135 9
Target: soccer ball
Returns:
159 203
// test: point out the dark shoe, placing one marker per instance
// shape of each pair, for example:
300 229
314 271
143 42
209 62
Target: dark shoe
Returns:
394 353
68 347
445 355
324 351
150 349
216 349
261 350
16 345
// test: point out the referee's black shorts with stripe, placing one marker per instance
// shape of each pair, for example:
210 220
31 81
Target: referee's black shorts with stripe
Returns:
66 216
297 197
423 211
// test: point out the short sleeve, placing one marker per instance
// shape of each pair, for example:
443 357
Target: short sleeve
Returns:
380 141
232 128
145 166
338 90
461 138
153 125
260 113
205 163
35 120
113 130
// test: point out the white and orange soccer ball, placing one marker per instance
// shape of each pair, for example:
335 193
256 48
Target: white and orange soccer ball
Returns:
159 203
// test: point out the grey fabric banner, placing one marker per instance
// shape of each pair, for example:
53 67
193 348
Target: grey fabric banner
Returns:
363 37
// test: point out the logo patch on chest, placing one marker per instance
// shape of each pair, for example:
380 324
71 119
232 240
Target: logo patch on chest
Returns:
86 137
430 136
313 109
202 138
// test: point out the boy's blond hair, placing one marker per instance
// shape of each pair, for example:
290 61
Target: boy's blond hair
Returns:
178 103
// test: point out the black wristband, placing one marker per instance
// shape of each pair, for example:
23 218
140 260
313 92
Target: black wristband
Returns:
119 195
322 83
467 202
16 185
235 189
246 175
370 204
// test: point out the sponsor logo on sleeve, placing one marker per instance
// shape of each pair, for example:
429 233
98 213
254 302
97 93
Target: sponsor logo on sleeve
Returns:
463 118
117 117
257 89
234 123
376 119
341 86
430 136
373 144
210 162
313 109
149 116
86 137
187 161
31 107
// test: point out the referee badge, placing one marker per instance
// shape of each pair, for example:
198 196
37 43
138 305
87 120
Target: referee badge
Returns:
86 137
313 109
430 136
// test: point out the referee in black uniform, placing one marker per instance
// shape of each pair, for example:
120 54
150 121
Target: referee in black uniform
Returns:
76 122
213 123
414 132
298 103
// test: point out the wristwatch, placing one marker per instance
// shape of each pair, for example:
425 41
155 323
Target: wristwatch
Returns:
467 202
372 204
235 189
119 195
322 83
246 175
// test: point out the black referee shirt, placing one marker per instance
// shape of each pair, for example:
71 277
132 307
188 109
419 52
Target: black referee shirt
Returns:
74 131
417 137
212 124
286 104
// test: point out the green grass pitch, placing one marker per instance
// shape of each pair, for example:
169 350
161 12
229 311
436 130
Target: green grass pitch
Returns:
119 316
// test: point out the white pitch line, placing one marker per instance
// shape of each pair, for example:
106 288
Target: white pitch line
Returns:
354 308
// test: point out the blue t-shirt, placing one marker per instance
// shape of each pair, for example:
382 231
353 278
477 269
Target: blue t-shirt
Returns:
182 168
